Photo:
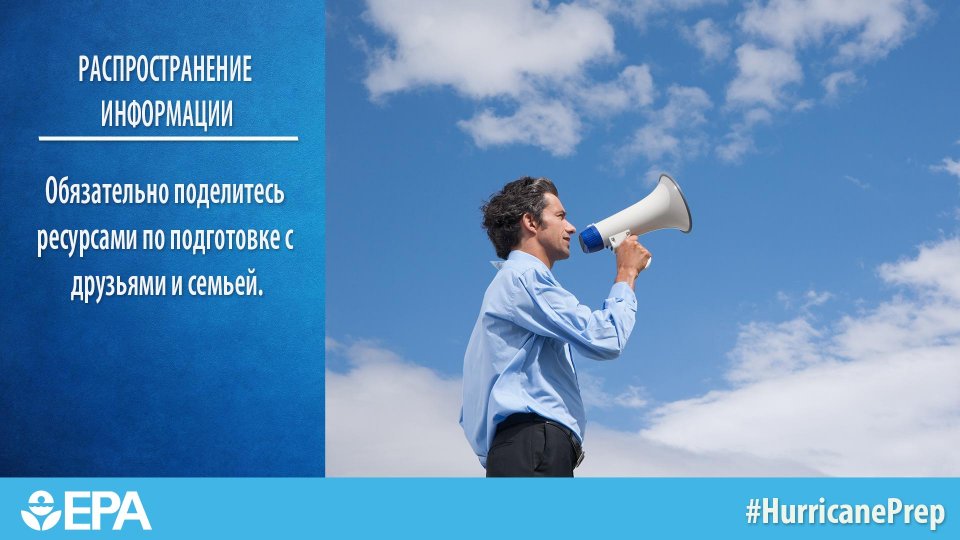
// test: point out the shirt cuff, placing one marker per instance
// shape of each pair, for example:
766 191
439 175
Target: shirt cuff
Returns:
621 292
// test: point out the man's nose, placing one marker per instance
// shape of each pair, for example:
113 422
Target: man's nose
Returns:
570 228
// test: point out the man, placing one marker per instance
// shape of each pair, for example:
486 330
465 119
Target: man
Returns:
522 411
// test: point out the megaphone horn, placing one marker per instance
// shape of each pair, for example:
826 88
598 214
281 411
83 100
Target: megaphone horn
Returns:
664 208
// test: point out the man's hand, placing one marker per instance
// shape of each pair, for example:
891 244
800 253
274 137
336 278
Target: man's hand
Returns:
632 258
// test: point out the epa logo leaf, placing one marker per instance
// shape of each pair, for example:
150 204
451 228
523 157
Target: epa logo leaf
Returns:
30 520
51 520
33 523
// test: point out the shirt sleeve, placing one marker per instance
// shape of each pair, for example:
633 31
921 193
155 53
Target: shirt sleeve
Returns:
545 308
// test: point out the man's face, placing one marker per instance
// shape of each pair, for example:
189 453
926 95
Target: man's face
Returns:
555 231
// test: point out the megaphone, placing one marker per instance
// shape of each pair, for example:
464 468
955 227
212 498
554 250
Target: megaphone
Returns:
664 208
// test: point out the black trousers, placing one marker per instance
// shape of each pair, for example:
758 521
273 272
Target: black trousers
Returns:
530 445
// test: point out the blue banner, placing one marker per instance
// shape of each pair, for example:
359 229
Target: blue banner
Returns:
163 229
478 508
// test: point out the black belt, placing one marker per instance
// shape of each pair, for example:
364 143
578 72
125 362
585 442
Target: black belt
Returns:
517 419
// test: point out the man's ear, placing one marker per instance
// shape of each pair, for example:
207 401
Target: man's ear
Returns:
527 223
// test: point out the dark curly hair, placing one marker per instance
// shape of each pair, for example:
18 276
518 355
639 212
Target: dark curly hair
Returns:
502 212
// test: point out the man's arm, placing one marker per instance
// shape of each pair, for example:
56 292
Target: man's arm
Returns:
548 309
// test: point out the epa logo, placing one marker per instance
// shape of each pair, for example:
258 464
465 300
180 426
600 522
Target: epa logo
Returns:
41 506
84 510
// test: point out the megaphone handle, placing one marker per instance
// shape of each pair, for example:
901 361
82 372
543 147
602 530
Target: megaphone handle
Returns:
618 239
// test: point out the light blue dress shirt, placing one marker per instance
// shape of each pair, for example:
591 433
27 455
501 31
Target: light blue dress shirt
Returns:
519 358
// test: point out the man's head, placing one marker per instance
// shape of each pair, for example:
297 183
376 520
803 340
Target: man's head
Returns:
527 214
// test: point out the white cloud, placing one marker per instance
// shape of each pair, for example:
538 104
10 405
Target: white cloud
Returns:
483 48
591 389
530 65
633 398
685 107
780 30
524 62
949 166
856 181
887 416
832 83
813 298
767 350
709 38
388 417
734 146
805 301
640 11
631 90
552 126
933 271
332 345
739 140
874 394
863 29
762 75
672 131
653 141
803 105
616 453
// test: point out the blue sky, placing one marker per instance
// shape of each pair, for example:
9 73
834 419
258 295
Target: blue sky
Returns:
817 145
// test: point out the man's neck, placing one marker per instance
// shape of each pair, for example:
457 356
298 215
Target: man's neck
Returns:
531 248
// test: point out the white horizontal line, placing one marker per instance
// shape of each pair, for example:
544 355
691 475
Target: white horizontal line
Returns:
162 138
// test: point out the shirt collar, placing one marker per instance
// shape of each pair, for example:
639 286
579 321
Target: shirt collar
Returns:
523 258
